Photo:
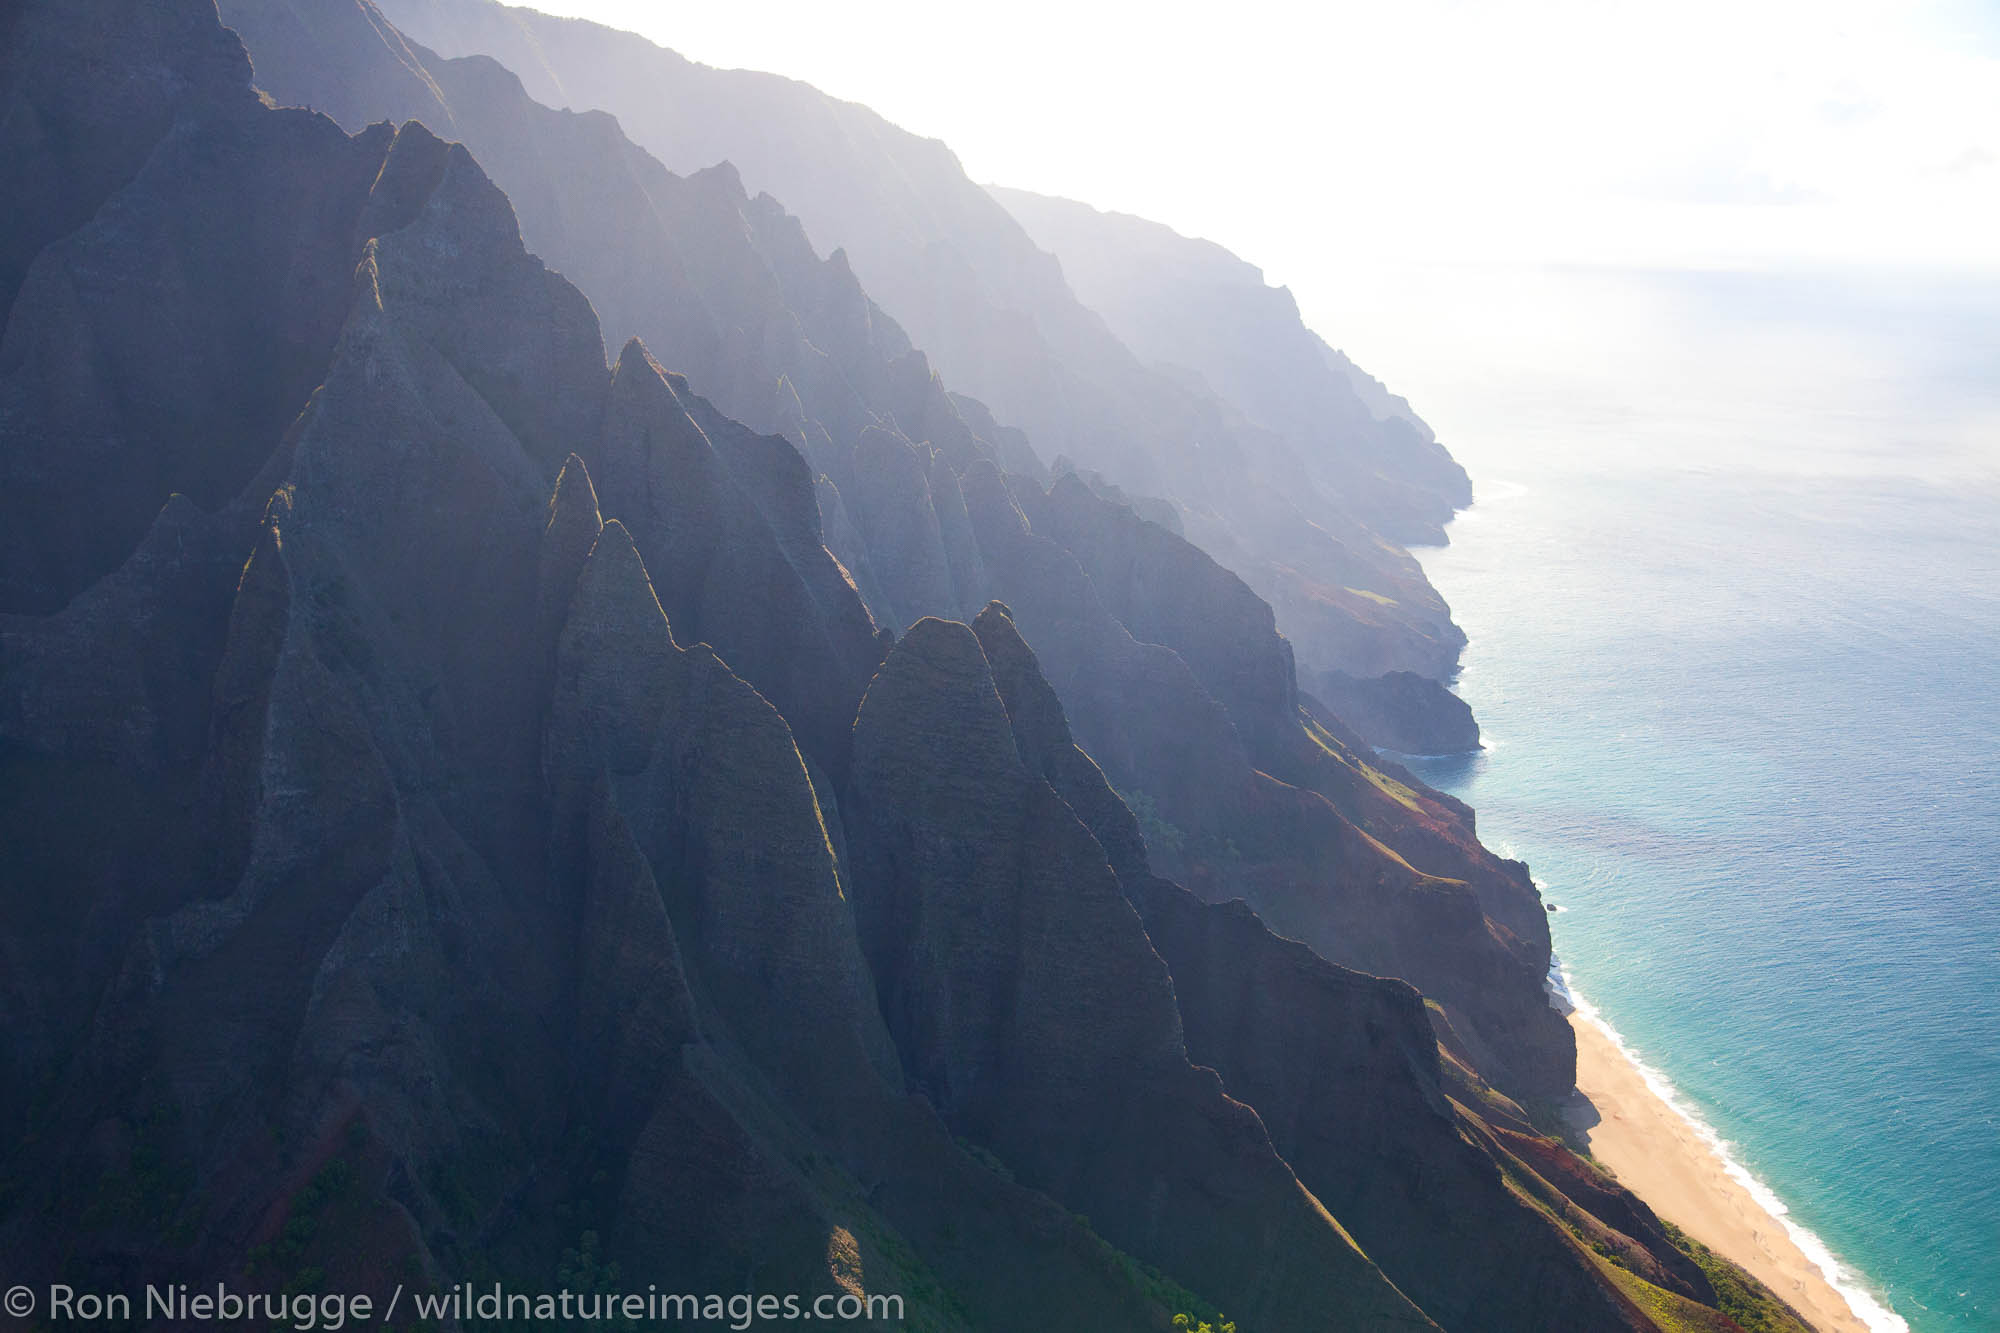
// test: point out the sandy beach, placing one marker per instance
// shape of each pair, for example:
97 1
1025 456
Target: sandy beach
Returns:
1657 1153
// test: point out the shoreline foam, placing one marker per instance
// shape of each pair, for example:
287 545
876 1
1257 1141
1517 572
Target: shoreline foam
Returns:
1791 1260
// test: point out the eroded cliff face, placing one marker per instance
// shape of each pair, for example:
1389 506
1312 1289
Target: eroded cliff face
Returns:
1476 1222
906 484
456 910
1031 1009
463 823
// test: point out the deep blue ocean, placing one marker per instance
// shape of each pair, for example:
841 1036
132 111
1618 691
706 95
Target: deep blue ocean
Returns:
1732 584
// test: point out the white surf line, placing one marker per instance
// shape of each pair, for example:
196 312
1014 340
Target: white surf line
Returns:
1878 1317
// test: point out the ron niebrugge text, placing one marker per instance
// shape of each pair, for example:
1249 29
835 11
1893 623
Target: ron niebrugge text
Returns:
307 1312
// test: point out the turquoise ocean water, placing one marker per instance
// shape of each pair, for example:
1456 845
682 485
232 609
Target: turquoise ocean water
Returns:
1732 584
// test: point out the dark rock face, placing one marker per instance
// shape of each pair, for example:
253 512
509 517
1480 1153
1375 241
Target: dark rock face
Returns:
165 341
730 521
1401 711
1345 1074
1345 1071
70 147
451 898
1031 1009
668 772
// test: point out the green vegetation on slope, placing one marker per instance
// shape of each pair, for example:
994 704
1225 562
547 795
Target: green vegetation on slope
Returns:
1742 1297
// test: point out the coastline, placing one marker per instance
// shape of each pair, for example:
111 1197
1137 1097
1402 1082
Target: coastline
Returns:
1635 1126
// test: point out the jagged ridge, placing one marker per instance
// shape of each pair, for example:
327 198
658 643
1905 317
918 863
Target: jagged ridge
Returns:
459 910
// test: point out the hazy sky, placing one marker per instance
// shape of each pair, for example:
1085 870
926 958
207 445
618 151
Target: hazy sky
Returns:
1685 133
1359 152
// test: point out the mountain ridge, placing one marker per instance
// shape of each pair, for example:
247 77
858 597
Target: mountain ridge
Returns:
923 529
1190 304
486 817
994 314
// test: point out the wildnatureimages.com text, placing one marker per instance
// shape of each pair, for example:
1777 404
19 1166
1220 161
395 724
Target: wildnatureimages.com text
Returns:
310 1312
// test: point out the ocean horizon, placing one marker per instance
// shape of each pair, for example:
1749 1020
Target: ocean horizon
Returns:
1733 598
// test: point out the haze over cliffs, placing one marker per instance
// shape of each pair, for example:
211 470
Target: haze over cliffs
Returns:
998 320
1190 307
935 528
475 805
